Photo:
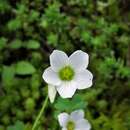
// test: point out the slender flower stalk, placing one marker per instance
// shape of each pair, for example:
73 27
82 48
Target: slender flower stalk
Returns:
40 114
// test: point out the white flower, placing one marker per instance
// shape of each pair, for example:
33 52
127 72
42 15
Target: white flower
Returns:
74 121
66 74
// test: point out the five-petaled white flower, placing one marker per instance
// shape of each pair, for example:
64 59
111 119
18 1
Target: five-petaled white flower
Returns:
74 121
66 74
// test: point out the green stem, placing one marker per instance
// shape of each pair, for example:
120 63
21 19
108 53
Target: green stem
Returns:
40 113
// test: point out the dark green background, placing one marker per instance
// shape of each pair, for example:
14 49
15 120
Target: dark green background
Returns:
30 30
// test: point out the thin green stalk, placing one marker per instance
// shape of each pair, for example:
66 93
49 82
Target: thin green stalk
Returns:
40 113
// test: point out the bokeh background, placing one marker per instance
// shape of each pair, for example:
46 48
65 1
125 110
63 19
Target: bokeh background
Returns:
31 30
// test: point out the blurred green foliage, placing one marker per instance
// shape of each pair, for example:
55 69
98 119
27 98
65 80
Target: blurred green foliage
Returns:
30 30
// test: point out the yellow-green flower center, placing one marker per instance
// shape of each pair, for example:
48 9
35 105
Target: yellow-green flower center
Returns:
66 73
70 125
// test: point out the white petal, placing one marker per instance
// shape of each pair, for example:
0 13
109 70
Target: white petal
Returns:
64 128
51 77
66 89
83 125
63 119
84 79
51 93
58 59
77 115
79 60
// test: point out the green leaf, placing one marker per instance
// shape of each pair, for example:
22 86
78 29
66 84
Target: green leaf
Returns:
86 36
33 44
14 24
16 44
62 104
24 68
4 8
17 126
2 42
99 40
44 23
8 75
70 105
52 39
33 15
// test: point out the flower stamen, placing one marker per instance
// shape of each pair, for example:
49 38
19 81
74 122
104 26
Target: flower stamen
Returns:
66 73
70 125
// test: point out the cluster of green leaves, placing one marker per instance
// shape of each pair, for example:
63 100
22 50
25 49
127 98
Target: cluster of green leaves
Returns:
30 30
